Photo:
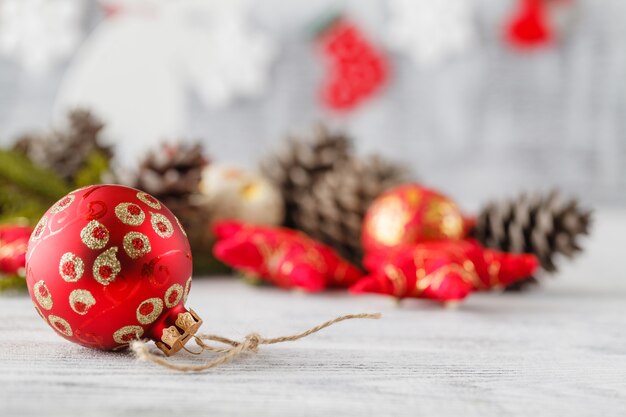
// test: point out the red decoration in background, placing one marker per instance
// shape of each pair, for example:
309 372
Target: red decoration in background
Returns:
410 214
356 68
108 264
443 271
530 27
535 22
13 245
284 257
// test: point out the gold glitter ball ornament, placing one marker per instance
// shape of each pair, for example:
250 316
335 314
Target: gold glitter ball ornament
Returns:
410 214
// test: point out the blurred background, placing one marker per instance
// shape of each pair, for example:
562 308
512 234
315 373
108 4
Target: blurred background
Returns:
481 98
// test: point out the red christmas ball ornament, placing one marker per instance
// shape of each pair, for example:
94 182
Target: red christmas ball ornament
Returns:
410 214
107 265
356 69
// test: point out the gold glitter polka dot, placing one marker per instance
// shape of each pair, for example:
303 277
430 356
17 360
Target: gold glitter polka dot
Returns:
42 294
149 200
81 301
149 310
106 266
136 244
173 295
94 235
63 203
161 225
127 334
182 229
71 267
130 214
39 229
60 325
187 288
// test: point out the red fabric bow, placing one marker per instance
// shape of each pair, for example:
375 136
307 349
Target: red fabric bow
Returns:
442 270
13 244
284 257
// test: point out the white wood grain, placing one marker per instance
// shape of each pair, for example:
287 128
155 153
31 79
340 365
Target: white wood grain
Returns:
557 351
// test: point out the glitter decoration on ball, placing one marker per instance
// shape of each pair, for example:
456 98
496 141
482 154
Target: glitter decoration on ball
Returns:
284 257
410 214
107 265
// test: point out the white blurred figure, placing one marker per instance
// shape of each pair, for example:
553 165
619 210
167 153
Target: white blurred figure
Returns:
137 68
37 34
429 31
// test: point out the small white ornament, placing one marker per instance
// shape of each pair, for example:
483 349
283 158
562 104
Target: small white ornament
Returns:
39 33
235 194
431 30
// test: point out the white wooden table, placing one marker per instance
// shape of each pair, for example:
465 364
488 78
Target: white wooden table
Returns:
556 351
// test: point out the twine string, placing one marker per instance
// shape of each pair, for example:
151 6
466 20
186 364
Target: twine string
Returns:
250 343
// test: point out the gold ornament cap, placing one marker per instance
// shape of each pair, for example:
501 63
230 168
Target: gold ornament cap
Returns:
174 337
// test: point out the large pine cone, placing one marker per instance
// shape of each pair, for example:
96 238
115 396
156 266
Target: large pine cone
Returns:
542 225
67 151
333 212
302 163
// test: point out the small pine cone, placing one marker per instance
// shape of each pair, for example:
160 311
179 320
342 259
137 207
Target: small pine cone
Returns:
196 220
295 170
66 151
172 171
542 225
333 212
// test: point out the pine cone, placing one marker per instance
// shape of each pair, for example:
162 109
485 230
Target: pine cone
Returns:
67 152
542 225
172 173
333 212
302 163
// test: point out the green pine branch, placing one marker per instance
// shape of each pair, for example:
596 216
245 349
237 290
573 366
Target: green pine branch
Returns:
12 282
26 191
17 169
96 165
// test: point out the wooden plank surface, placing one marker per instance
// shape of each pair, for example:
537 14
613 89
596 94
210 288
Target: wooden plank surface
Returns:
560 350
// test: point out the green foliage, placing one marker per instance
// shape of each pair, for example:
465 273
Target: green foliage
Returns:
17 206
96 165
26 191
12 282
18 169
